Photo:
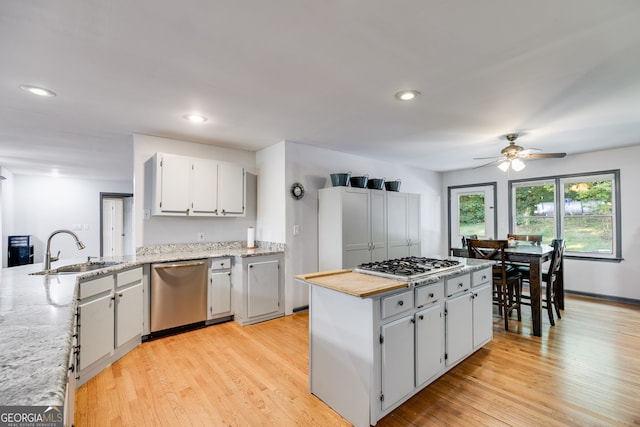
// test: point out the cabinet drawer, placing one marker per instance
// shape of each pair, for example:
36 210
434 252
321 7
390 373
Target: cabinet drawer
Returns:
220 263
129 276
95 286
429 293
398 303
456 285
481 277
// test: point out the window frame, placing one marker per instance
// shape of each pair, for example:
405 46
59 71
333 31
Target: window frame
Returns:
558 182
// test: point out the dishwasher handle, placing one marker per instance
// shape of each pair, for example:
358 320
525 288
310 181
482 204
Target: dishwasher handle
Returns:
187 264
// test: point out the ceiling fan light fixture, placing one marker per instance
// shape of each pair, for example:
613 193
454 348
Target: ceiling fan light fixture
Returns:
406 95
517 165
503 166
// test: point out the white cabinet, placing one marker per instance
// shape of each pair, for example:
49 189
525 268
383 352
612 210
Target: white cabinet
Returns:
196 187
429 343
351 227
482 297
469 312
398 350
219 292
258 292
108 320
403 224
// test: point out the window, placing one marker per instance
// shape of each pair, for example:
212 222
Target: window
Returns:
471 212
583 209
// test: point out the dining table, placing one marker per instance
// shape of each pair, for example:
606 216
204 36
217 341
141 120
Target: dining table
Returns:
534 255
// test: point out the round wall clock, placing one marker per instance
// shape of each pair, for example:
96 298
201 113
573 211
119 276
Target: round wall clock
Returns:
297 191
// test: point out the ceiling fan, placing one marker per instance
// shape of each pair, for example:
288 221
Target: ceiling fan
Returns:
512 153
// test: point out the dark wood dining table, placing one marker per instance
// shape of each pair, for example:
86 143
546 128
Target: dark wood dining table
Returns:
535 256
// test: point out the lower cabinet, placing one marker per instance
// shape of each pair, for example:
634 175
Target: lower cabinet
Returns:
108 320
370 355
258 292
219 292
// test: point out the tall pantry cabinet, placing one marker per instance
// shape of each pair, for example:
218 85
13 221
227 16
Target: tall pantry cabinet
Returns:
353 225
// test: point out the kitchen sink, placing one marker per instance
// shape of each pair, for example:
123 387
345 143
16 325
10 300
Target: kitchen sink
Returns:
78 268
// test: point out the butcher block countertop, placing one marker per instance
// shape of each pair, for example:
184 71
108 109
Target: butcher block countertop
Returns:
367 285
349 282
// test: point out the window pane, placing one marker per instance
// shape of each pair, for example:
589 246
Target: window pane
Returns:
536 225
471 214
589 234
535 200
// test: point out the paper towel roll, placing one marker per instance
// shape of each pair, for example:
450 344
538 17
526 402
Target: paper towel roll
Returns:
251 236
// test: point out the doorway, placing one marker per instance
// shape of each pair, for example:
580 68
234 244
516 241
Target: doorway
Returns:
116 224
472 212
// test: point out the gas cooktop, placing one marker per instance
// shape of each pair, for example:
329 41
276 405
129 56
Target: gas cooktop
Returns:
409 268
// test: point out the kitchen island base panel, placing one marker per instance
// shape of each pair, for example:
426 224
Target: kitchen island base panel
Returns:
340 356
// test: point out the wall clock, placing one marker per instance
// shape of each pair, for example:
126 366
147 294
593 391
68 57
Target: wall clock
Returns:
297 191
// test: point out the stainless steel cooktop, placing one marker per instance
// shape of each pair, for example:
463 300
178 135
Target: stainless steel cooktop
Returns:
410 268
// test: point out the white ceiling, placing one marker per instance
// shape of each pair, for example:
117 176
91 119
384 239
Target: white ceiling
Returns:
565 74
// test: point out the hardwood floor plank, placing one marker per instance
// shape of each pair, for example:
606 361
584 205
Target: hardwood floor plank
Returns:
585 371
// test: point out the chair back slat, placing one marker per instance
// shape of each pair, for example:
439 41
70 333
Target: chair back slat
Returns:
556 256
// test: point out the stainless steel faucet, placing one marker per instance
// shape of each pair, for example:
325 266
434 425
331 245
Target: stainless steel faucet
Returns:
48 259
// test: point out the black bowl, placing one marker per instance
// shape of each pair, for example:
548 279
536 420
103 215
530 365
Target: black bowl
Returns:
340 179
392 185
376 184
359 181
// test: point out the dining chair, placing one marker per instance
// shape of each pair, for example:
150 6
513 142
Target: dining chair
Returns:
550 280
507 282
524 268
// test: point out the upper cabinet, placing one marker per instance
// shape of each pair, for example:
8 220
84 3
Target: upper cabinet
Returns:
197 187
403 231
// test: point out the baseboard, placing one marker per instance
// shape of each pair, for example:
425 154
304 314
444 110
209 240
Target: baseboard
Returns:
299 309
604 297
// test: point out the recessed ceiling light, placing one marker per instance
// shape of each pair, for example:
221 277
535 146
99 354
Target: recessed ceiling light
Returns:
406 95
195 118
40 91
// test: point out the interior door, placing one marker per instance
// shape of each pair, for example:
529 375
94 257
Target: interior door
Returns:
471 212
112 227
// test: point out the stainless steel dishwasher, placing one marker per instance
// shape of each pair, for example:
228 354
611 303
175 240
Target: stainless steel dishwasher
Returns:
178 294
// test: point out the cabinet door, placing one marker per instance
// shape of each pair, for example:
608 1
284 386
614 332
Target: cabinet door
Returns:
263 288
398 351
204 186
231 195
482 315
459 328
175 180
378 224
397 225
95 329
429 343
128 314
219 294
413 225
355 227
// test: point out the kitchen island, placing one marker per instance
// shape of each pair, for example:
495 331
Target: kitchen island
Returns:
374 342
37 315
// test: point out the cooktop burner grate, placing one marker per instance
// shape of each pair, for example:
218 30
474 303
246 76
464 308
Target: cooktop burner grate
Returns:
409 267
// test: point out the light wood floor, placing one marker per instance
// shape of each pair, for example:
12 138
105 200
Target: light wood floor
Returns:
585 371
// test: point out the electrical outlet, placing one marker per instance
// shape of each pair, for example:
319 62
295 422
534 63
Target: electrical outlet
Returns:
200 236
296 230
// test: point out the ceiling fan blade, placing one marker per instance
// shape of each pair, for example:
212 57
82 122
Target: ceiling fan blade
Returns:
495 162
543 155
487 158
528 151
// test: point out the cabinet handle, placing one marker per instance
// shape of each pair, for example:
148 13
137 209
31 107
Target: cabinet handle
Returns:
460 285
431 295
119 295
484 277
251 266
421 317
400 302
413 320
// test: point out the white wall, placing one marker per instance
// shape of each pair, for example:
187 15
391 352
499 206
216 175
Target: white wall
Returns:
270 163
42 205
160 230
6 210
311 167
602 278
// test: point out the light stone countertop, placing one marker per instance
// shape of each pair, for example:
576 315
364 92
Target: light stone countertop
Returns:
37 316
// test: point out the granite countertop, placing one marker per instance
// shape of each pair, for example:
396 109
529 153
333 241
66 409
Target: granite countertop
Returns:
366 285
37 316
